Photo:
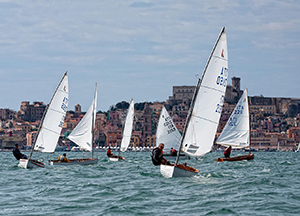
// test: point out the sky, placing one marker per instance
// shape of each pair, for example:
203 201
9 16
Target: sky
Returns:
141 49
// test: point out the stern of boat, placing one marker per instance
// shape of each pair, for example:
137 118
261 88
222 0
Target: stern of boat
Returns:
23 163
27 163
170 171
114 159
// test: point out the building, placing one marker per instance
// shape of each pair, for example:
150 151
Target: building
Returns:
31 112
6 114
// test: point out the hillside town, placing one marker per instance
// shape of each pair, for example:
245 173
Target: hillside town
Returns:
275 122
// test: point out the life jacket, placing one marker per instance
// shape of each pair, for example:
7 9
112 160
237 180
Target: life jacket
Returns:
227 151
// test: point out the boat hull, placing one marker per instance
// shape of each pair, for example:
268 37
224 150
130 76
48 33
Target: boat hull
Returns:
28 164
81 161
237 158
170 171
116 158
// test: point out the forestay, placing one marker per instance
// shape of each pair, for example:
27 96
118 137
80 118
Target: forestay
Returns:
236 132
208 101
53 119
82 135
166 132
127 130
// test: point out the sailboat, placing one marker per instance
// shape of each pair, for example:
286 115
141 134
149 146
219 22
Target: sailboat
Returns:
205 111
166 132
298 148
83 136
236 132
127 131
51 125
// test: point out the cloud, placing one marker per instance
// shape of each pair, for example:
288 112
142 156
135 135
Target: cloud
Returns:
141 5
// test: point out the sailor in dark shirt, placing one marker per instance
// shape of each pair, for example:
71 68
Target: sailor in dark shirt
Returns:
18 155
227 152
157 156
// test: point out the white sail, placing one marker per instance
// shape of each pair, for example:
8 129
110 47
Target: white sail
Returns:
208 101
166 132
53 120
127 130
236 132
298 148
82 135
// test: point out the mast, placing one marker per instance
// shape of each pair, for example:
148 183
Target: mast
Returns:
44 114
188 119
93 120
249 123
35 139
195 95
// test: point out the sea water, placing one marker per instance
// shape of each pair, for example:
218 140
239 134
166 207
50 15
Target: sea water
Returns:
267 185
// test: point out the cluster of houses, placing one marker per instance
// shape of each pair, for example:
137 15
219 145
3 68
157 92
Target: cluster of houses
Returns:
275 122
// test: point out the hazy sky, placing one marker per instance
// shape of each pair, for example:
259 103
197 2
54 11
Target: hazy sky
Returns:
140 49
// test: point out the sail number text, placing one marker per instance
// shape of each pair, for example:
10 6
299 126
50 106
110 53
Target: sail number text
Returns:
222 78
64 105
220 104
169 125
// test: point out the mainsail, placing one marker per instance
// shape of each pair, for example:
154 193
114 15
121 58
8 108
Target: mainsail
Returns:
166 131
236 132
207 103
127 130
53 119
82 135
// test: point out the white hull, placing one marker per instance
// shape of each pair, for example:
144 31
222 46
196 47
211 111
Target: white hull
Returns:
82 161
113 159
27 164
170 171
116 158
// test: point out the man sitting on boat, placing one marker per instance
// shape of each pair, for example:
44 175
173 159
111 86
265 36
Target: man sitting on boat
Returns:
157 156
173 152
63 158
108 152
18 155
227 152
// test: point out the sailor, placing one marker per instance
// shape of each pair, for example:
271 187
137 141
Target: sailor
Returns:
108 152
157 156
63 158
173 152
227 152
18 155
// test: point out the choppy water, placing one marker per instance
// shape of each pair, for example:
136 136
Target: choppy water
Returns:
268 185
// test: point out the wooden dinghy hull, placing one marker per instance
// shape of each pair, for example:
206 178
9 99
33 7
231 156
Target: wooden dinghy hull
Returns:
28 164
237 158
170 171
116 158
81 161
